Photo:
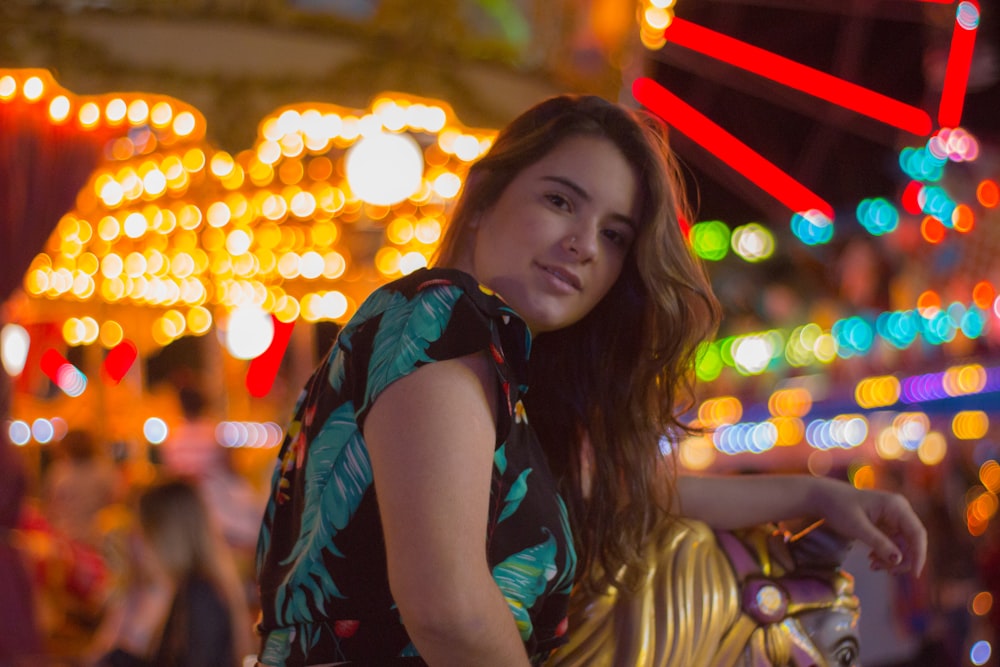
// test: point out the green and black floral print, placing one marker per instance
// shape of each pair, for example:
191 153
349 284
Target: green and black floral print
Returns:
320 558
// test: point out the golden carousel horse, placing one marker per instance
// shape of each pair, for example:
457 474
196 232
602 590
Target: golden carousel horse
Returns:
754 598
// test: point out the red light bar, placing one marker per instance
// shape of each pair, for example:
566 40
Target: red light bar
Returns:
690 122
796 75
956 76
264 369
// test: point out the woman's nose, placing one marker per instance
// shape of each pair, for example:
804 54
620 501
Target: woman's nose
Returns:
581 244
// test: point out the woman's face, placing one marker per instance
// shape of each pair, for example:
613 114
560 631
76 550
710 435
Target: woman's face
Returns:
555 241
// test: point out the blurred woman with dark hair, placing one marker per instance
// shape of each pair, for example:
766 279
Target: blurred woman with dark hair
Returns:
186 607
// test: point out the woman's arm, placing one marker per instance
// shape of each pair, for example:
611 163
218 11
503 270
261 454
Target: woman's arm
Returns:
884 521
431 438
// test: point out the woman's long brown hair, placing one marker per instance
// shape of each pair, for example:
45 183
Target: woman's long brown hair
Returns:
176 523
610 387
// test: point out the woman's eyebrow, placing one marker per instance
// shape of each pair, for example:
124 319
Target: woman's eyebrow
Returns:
583 194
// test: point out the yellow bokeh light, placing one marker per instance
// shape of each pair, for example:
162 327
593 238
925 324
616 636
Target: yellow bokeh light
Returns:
89 115
8 87
291 172
792 402
194 160
112 265
83 286
199 320
189 217
110 192
161 114
324 234
274 207
428 231
887 444
715 412
72 331
964 380
970 424
115 111
162 332
218 214
177 323
791 430
111 334
287 309
400 231
933 449
138 112
288 265
135 264
989 475
303 204
387 261
875 392
334 265
657 18
222 164
697 453
90 329
825 348
864 477
36 281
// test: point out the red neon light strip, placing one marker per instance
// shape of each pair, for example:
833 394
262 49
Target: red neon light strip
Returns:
796 75
263 370
688 121
956 76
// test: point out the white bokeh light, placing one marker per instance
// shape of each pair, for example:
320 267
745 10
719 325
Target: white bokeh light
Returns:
384 168
14 344
249 332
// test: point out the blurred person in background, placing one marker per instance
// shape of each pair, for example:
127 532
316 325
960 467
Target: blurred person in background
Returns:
183 606
80 482
192 451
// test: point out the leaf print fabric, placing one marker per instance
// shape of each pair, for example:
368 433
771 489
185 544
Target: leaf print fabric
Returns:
320 557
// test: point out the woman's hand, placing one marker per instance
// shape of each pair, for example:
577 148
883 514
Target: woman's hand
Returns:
882 520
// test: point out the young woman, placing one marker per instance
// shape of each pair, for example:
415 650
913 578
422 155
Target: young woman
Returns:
416 517
185 606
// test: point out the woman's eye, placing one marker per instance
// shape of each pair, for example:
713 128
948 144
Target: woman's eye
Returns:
616 237
558 201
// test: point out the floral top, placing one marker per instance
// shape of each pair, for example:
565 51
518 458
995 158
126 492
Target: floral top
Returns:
321 558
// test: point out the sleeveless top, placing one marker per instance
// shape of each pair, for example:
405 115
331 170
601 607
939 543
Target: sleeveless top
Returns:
321 565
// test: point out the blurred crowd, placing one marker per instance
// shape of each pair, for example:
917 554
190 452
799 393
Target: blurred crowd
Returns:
102 567
108 562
